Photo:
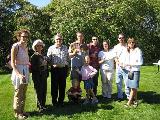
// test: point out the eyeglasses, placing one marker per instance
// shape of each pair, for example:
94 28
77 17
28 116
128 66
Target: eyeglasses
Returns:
131 42
25 36
94 39
39 45
59 39
120 37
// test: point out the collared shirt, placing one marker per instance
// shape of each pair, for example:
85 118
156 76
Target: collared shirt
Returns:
58 55
133 58
118 52
94 50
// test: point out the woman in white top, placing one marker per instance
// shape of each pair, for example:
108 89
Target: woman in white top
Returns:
133 61
106 61
20 73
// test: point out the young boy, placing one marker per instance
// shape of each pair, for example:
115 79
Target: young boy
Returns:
74 93
87 73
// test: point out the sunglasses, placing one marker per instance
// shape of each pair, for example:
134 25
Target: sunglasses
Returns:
120 37
94 39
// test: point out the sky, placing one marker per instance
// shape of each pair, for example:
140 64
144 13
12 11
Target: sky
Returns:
40 3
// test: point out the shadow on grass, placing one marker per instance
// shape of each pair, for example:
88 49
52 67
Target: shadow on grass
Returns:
149 97
70 109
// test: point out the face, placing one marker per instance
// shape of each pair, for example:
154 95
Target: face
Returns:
24 37
131 44
105 45
80 37
58 40
121 38
95 40
39 47
87 60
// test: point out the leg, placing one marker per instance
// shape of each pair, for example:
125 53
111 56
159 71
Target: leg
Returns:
119 82
126 83
109 85
54 85
104 83
62 85
95 81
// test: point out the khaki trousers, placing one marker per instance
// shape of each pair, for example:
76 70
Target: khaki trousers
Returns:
19 99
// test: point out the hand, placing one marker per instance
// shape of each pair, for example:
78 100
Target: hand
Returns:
22 78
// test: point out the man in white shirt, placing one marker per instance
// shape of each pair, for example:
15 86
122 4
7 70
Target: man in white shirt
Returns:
121 73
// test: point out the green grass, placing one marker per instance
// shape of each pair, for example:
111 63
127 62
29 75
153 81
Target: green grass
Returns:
148 109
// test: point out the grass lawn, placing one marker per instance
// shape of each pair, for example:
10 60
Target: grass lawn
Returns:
148 108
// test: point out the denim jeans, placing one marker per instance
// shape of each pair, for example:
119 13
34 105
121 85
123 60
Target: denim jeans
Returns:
122 74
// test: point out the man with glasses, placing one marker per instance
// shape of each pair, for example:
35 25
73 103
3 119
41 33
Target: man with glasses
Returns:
93 54
58 56
121 73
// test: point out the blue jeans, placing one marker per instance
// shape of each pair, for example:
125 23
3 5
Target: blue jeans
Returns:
122 74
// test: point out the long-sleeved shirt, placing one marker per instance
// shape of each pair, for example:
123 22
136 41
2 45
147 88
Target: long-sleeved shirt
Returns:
87 72
133 58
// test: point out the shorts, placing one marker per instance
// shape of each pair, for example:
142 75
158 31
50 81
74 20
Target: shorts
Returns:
88 84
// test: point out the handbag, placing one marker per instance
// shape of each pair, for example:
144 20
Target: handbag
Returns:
130 75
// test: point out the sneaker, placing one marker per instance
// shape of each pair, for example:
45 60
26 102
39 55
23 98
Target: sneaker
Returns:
94 100
86 102
21 117
135 104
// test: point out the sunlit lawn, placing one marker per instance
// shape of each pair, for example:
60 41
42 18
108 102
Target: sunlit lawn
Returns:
148 109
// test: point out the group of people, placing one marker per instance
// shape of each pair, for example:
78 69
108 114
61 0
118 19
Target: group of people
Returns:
83 61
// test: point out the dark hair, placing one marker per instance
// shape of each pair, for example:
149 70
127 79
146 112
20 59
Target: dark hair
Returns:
108 42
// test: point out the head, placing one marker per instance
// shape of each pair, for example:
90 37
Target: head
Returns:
22 35
75 84
87 60
121 38
58 39
95 40
131 43
84 47
80 37
106 45
38 45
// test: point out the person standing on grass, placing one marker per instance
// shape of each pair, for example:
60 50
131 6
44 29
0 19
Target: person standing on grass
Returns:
121 73
20 73
93 54
132 63
39 68
88 72
106 61
58 56
77 51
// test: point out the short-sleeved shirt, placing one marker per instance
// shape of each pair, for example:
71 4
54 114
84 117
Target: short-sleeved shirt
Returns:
109 60
58 55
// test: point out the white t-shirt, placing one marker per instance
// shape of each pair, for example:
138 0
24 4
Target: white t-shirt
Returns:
109 60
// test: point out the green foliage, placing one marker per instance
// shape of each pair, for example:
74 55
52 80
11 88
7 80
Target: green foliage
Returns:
106 19
102 18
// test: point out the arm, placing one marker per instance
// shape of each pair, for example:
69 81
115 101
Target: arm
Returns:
93 73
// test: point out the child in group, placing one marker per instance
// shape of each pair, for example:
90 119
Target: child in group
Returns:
87 73
74 93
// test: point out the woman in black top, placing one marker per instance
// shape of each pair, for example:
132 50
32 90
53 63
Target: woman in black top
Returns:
39 70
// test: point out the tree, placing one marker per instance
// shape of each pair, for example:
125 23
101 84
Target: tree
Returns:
106 19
